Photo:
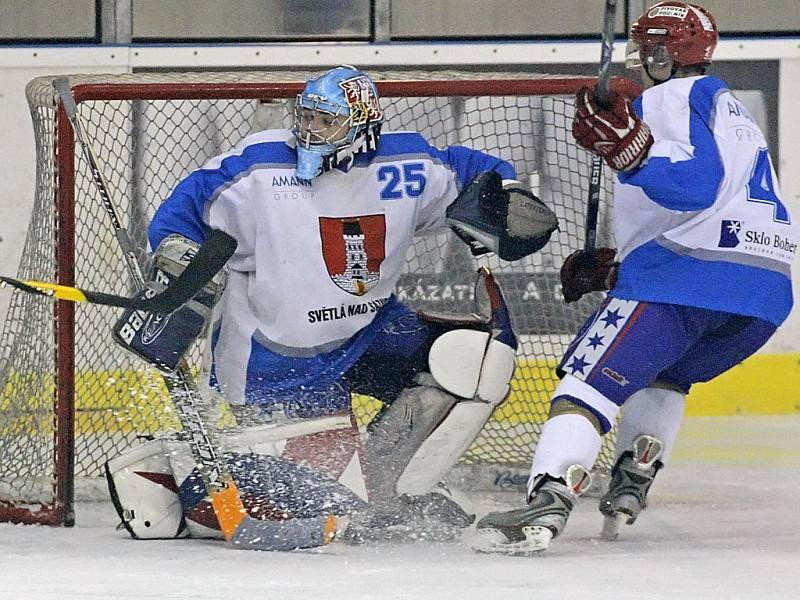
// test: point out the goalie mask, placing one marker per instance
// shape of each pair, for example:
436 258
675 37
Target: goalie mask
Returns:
337 115
671 35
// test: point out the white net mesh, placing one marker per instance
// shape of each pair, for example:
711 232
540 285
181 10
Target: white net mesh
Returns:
167 125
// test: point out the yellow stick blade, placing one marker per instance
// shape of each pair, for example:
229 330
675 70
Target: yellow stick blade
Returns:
62 292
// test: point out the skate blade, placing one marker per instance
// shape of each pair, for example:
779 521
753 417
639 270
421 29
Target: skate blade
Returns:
612 525
493 541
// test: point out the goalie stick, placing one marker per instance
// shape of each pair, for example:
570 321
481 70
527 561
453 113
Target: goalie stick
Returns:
603 93
66 292
239 529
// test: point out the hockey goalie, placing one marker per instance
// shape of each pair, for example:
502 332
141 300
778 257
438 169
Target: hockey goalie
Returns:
308 317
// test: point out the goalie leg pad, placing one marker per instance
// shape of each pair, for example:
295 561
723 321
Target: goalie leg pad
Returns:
303 469
398 432
144 492
472 365
440 451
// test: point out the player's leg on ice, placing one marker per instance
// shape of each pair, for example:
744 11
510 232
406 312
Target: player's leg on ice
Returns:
647 430
440 382
620 352
651 417
568 446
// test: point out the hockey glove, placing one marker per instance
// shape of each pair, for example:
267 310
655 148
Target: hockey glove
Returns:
588 271
176 303
618 135
509 221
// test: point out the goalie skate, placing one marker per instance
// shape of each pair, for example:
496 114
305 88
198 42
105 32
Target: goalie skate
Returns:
439 515
529 530
630 480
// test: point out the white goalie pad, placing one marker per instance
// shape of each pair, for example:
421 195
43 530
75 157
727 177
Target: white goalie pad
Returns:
145 481
441 450
475 368
144 492
471 365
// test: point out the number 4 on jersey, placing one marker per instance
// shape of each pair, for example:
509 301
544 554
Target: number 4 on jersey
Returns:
761 187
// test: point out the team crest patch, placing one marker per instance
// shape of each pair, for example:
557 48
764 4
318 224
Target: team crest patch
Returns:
353 249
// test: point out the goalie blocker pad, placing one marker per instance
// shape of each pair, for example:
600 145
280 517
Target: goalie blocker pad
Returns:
509 221
162 339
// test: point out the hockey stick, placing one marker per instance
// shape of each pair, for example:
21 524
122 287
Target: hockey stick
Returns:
603 94
208 261
65 292
237 526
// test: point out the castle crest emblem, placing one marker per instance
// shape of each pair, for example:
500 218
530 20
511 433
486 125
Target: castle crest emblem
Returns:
353 249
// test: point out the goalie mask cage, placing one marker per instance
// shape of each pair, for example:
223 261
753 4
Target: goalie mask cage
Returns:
71 399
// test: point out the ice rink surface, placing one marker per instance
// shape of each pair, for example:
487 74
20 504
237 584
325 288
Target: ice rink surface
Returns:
723 523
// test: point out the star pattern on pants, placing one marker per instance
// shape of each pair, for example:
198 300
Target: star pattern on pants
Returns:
578 364
611 318
595 341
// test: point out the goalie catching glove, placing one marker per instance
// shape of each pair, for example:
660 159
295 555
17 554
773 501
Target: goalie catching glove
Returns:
186 281
509 221
618 135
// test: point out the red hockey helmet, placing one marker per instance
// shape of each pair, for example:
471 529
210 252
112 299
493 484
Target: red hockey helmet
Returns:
686 33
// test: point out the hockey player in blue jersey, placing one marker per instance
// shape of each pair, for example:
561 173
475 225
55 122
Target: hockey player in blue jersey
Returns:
701 280
315 224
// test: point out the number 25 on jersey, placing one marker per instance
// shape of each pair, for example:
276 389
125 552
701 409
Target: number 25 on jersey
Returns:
408 179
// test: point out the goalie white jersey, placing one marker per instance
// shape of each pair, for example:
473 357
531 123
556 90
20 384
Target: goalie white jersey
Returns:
317 261
710 228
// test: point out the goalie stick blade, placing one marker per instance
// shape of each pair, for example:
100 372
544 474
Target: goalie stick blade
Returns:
493 541
291 534
244 532
229 509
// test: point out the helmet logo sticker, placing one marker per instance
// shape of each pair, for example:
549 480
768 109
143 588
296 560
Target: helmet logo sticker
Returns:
704 20
353 249
676 12
362 100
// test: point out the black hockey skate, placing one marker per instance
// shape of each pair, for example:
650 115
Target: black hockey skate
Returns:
528 530
631 478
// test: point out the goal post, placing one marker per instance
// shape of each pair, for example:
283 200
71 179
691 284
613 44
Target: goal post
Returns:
71 399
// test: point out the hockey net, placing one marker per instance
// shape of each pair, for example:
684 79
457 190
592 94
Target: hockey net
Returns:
71 399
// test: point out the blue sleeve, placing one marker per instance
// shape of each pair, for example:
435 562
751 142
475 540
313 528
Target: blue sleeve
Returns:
182 211
692 184
468 163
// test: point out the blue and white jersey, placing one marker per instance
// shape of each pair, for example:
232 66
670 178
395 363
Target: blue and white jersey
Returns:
317 261
702 222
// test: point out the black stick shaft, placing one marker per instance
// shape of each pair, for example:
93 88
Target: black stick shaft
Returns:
603 95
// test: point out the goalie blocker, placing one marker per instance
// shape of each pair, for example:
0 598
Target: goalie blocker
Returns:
177 300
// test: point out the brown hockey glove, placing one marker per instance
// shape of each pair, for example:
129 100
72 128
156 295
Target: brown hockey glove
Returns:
588 271
618 135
